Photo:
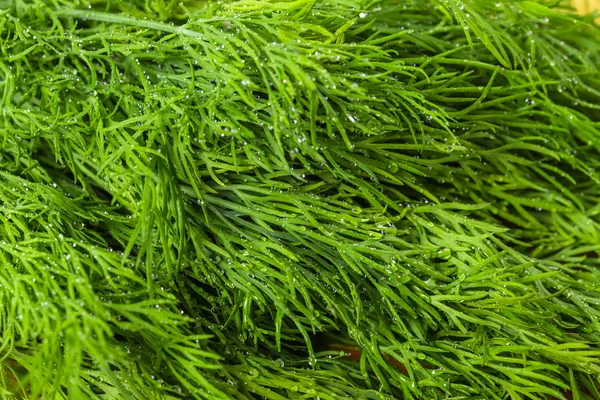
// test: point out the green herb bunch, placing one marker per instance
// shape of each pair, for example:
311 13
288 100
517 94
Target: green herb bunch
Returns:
209 199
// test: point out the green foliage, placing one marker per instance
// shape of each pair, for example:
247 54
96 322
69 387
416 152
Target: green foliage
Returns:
210 199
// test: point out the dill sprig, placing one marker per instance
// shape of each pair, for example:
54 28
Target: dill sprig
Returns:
217 200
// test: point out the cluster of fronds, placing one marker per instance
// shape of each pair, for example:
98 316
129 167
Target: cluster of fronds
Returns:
210 199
